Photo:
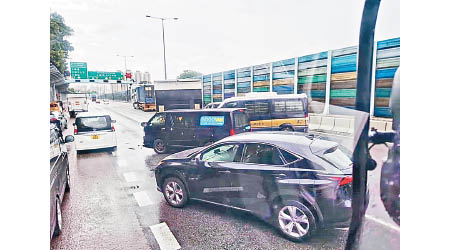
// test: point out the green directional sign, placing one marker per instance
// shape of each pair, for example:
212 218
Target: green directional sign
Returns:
101 75
78 70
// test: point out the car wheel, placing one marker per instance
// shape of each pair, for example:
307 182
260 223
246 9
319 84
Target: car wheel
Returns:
175 192
159 146
295 221
58 222
287 129
67 180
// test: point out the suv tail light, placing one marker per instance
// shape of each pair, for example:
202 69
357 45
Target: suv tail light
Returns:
112 128
53 120
75 130
232 132
343 180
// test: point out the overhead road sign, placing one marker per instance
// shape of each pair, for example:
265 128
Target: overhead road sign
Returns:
78 70
101 75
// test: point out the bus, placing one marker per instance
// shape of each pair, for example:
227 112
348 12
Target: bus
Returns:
270 111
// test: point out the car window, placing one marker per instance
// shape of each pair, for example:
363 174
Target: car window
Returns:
223 153
240 119
230 105
258 107
288 157
184 120
158 120
262 154
93 123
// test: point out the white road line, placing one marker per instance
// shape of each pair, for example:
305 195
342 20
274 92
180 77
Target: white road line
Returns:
142 199
164 237
393 227
130 177
122 163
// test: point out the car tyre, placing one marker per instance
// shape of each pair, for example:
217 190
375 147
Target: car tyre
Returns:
159 146
67 180
58 222
287 128
294 220
175 192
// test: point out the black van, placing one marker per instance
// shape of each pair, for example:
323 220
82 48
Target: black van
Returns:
189 128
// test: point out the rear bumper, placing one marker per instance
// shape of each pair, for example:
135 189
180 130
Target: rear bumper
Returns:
81 144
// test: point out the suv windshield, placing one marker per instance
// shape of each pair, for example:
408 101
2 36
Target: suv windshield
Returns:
93 123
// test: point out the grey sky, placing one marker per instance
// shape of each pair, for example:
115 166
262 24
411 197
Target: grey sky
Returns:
213 36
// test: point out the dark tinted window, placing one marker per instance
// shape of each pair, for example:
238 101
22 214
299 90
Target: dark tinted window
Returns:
223 153
158 120
288 156
93 123
230 105
259 107
184 120
262 154
240 119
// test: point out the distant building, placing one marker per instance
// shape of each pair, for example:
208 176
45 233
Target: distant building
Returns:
146 77
137 76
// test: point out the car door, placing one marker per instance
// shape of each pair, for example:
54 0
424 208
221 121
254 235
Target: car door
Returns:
156 128
259 174
211 179
182 129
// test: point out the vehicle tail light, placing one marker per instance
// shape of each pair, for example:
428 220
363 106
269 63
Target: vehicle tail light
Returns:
232 132
112 128
53 120
343 180
75 130
306 116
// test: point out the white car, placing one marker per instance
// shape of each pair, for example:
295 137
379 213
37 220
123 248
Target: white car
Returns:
92 131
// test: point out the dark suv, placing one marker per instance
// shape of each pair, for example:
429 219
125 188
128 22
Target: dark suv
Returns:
59 177
188 128
292 180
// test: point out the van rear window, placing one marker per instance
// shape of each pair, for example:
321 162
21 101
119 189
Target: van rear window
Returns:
207 120
240 119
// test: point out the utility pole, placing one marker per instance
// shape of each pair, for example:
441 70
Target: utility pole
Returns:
164 41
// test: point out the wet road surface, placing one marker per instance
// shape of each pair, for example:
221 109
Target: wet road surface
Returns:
114 204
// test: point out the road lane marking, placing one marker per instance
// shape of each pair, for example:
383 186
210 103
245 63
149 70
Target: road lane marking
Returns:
122 163
165 238
393 227
130 177
142 199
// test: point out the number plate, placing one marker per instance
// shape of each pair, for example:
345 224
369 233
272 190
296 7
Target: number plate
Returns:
95 137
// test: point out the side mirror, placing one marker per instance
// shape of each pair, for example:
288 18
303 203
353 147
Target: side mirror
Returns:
198 160
113 121
69 138
143 124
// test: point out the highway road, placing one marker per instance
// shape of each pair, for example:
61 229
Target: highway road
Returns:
114 204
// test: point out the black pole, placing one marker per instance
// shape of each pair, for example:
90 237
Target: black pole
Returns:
363 95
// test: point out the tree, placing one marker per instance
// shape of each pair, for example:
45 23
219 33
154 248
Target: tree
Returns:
189 74
59 46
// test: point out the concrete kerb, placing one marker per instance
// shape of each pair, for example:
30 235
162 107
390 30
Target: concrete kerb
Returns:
327 123
342 125
314 121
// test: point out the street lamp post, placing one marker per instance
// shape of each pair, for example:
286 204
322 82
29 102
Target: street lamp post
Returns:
164 42
125 73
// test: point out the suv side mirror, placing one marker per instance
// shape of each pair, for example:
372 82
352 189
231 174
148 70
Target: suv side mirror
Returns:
69 138
198 160
143 124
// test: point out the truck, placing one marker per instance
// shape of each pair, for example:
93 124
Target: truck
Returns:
143 97
77 103
168 94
